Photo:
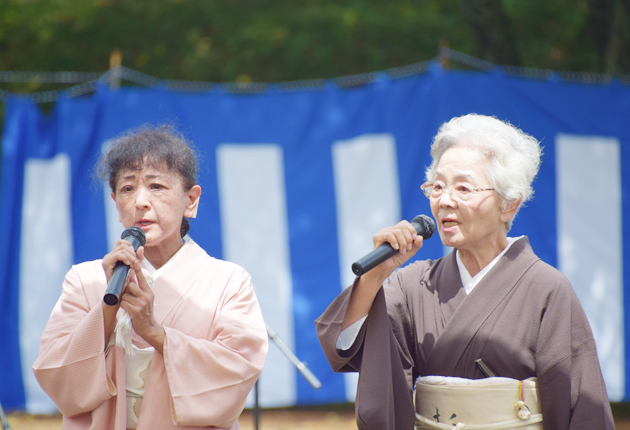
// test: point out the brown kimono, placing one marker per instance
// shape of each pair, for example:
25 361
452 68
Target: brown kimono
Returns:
523 319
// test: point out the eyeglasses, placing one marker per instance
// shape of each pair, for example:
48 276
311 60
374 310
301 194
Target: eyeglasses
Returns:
457 190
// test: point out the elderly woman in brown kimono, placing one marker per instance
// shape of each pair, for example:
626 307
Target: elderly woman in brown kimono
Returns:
491 298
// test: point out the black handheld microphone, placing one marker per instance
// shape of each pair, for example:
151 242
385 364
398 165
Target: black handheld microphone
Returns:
424 226
136 236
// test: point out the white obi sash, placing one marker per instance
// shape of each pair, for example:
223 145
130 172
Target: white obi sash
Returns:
136 373
448 403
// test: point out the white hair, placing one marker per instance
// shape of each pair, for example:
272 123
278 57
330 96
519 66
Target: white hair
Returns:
513 156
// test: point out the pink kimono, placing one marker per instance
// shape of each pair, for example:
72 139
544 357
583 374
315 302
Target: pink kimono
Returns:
214 351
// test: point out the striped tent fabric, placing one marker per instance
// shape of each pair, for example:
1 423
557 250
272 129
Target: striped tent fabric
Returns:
295 183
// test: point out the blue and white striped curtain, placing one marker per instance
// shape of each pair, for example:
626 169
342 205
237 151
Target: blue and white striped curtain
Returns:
295 183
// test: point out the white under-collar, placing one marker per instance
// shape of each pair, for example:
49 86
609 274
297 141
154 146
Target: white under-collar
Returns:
469 282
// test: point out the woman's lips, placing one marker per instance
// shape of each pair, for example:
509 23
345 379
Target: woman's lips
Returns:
144 224
448 225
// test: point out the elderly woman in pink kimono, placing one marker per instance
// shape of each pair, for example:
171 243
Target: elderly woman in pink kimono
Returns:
186 341
491 298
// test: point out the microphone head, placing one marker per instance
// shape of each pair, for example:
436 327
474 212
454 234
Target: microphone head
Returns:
136 232
426 226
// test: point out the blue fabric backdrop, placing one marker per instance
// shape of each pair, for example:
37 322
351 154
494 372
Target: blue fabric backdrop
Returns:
305 127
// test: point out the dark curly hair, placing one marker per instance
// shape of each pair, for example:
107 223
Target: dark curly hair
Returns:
160 147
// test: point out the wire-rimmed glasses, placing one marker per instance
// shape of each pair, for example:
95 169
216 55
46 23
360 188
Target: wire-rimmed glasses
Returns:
457 190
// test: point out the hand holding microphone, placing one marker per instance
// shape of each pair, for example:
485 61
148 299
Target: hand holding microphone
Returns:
136 237
424 227
366 287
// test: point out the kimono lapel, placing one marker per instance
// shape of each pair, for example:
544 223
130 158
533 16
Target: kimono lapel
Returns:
450 291
176 280
477 307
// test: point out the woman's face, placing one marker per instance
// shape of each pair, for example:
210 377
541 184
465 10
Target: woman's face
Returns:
154 200
478 222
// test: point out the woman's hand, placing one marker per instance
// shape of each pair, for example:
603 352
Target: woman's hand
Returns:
123 251
137 299
402 237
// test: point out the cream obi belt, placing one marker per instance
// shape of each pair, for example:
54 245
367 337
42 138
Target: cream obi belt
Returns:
448 403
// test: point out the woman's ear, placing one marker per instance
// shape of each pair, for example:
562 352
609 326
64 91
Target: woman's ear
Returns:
508 213
192 204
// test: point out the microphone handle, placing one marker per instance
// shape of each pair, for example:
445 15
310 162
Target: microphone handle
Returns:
116 283
373 259
136 237
424 226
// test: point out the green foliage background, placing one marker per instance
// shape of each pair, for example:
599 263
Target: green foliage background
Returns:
265 40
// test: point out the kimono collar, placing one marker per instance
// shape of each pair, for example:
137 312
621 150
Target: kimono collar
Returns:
463 318
468 281
177 276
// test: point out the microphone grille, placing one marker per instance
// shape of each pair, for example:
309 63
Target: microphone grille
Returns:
135 232
427 224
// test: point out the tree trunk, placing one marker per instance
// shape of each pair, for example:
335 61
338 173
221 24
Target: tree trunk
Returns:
493 31
600 28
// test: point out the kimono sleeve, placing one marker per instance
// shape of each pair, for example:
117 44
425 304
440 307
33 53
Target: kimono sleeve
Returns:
72 364
381 354
572 389
210 378
390 307
328 330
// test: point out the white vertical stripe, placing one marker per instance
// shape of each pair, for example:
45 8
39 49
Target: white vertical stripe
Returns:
45 257
252 200
589 236
367 194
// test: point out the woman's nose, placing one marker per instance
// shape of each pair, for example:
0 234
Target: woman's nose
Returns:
451 201
142 198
